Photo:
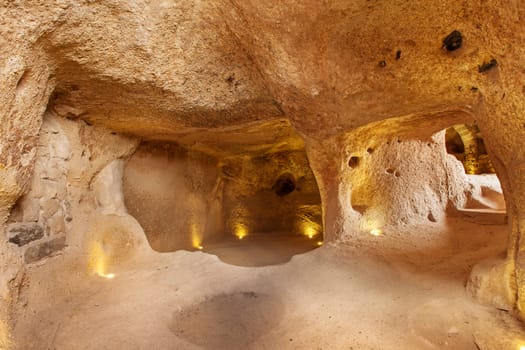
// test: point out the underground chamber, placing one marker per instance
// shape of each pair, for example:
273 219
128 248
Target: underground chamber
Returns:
248 209
155 191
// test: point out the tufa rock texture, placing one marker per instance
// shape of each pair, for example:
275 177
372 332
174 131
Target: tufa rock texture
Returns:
82 82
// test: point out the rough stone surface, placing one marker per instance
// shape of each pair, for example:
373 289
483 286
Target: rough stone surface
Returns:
44 250
56 224
176 195
485 192
31 210
400 178
231 78
107 186
49 207
249 192
24 233
488 284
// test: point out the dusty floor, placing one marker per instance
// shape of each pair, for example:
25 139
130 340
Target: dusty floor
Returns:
397 291
261 249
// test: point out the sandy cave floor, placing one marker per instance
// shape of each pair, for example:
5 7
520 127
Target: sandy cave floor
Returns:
261 249
398 291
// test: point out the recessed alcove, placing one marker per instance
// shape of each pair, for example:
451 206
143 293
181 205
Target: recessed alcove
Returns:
247 209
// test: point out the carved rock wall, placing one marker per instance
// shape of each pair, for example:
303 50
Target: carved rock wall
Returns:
159 70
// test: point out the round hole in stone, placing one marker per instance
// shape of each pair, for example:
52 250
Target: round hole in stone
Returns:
370 150
390 170
284 185
353 162
431 217
397 174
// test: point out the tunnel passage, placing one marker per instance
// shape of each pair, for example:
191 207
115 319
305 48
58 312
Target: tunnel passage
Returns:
413 203
465 142
254 209
484 194
410 171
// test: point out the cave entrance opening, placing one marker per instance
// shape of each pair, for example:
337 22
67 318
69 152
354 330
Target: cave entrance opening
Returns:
248 209
465 142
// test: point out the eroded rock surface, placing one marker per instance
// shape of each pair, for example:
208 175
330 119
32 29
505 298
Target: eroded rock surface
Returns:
81 83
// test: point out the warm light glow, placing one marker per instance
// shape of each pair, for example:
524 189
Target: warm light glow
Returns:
376 232
99 261
240 230
238 221
319 243
196 236
200 247
373 223
309 230
308 221
522 347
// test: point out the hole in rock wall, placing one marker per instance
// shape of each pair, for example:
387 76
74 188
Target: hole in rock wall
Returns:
353 162
284 185
247 209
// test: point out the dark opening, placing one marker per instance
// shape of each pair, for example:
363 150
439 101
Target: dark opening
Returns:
353 162
284 185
